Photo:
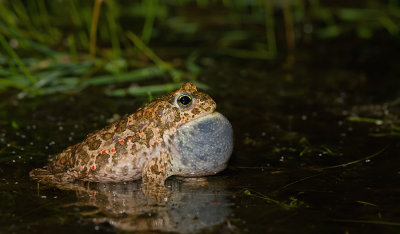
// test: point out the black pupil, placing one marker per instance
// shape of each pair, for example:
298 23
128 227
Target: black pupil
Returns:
185 100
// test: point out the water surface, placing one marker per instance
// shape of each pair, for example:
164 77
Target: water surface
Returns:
302 160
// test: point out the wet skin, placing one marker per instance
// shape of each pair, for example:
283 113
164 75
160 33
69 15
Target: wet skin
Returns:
177 134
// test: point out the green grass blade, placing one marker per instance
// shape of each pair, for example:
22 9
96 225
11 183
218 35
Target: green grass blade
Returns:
34 45
136 75
148 52
16 58
147 31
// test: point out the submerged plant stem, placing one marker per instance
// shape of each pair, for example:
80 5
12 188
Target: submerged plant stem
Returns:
380 222
357 161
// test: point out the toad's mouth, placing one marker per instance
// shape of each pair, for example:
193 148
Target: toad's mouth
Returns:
203 146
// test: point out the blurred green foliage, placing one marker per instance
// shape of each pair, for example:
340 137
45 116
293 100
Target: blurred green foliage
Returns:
48 46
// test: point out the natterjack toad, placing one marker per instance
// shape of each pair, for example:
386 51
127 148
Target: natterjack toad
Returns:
177 134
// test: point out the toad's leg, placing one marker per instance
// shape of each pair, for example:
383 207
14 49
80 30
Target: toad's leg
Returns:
157 170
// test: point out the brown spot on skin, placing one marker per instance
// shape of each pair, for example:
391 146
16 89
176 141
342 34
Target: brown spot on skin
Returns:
102 160
177 114
121 148
195 111
121 126
160 110
77 163
149 135
84 156
107 136
133 127
168 125
121 152
154 169
95 145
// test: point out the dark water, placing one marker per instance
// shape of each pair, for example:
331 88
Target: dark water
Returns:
299 164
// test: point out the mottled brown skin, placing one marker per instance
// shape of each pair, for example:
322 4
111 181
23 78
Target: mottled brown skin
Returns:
137 146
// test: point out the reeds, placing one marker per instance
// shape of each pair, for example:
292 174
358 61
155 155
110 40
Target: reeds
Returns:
65 46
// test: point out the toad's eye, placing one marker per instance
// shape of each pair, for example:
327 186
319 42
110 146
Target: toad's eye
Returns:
184 100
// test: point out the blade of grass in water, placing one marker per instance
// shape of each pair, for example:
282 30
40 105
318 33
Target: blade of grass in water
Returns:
291 204
380 222
357 161
364 120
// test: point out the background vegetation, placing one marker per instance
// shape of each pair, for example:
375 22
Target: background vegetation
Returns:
142 47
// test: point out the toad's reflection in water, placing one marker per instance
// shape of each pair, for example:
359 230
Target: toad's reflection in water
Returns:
186 207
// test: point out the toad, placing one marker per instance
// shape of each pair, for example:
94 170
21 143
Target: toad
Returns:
179 134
